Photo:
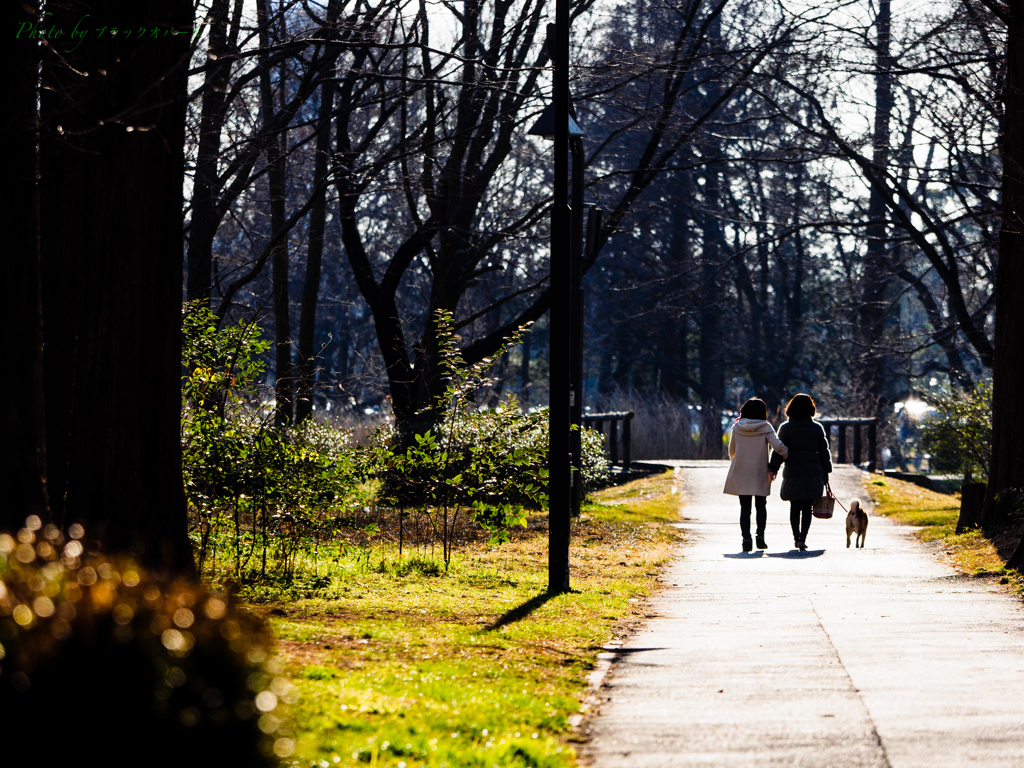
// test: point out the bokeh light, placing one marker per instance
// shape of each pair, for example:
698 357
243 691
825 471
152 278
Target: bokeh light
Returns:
93 644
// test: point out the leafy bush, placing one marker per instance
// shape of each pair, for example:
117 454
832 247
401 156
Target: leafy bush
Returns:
262 496
167 672
270 489
491 463
488 462
594 466
958 435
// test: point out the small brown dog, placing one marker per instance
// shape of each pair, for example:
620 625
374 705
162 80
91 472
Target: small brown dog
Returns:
856 523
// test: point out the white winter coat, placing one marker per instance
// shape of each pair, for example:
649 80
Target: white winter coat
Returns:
748 449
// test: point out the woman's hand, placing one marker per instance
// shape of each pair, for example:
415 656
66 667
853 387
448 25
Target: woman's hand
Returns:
773 475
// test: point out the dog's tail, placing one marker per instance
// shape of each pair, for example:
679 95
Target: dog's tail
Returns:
855 505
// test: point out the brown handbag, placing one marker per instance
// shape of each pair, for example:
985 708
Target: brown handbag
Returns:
824 506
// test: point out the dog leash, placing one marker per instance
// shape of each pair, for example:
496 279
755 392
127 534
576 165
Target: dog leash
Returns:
829 487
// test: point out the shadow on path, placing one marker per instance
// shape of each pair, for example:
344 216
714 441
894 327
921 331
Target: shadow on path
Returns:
796 554
744 555
623 653
521 611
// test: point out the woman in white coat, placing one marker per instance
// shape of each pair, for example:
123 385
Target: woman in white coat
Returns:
749 475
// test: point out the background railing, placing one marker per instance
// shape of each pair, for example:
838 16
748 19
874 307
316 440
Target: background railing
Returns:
840 425
614 434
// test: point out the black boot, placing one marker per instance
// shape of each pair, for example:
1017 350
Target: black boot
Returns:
748 545
760 541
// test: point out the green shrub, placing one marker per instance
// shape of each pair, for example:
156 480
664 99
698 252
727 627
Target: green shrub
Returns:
489 463
958 435
99 657
259 495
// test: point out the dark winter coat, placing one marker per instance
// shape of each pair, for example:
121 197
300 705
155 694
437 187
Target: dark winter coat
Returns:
809 461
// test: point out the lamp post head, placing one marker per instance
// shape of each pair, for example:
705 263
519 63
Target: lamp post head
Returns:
545 125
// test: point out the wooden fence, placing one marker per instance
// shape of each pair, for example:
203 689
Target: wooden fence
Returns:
614 434
841 424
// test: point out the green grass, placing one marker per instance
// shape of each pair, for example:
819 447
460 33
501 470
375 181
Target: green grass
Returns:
910 504
656 498
404 663
936 514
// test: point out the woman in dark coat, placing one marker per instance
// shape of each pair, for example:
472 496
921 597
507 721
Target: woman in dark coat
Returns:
807 466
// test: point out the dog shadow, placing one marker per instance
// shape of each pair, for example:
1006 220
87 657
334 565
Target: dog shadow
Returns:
744 555
796 554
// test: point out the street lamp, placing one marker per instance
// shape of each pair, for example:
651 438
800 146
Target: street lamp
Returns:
545 127
556 122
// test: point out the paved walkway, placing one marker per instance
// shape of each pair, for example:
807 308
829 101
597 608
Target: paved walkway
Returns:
834 657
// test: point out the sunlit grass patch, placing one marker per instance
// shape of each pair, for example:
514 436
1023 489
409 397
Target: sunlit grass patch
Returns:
910 504
656 498
936 514
400 662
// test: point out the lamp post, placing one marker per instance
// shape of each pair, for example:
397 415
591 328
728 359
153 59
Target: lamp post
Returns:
576 326
556 122
545 127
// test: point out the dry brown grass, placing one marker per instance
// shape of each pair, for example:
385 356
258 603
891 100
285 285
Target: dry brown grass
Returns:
936 514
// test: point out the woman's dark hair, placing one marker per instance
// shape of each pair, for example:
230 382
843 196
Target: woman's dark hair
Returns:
801 407
754 408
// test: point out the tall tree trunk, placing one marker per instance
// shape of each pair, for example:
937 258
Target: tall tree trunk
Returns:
277 188
709 320
625 357
878 267
314 254
675 349
1007 463
283 372
604 369
211 122
111 169
342 368
23 447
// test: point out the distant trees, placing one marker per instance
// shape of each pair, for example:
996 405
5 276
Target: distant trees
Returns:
950 200
392 115
792 202
422 174
712 280
840 216
921 254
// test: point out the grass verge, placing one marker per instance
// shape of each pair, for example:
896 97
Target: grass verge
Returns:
410 666
936 515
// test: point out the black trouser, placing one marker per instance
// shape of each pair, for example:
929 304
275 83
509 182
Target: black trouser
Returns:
762 515
800 518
